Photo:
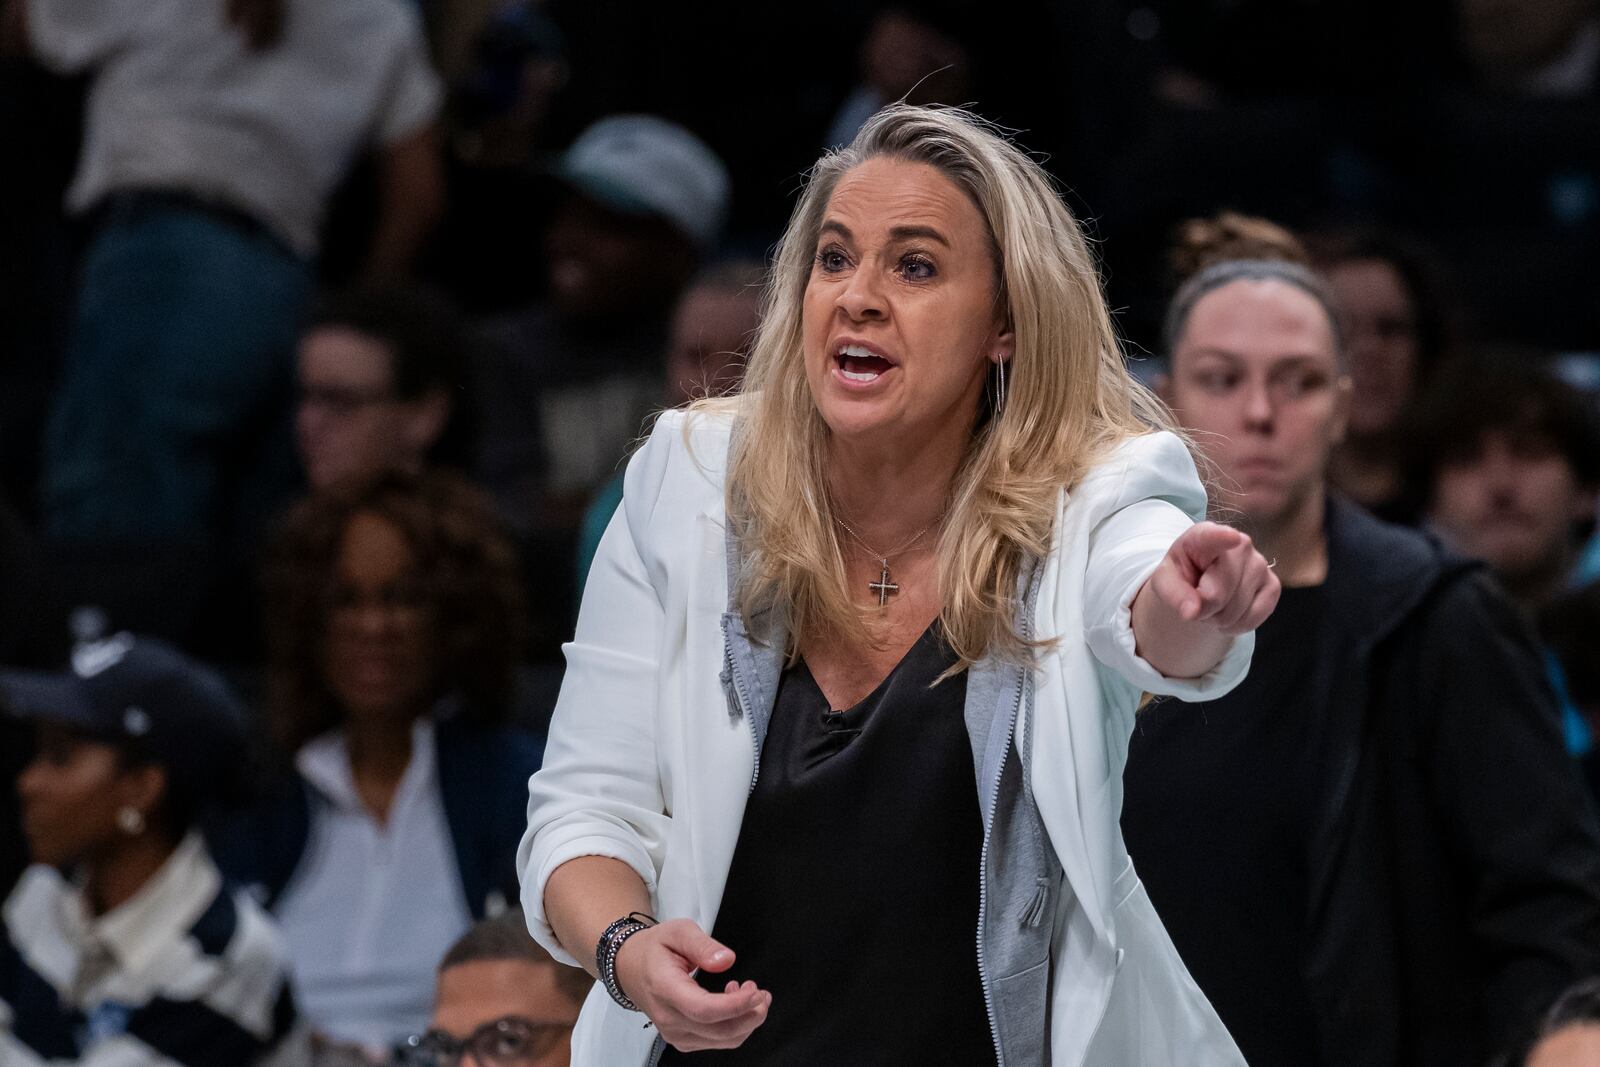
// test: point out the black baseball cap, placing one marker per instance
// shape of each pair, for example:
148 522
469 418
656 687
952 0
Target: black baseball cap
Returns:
145 695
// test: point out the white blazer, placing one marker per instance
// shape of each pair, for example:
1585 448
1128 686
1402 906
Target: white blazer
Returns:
645 764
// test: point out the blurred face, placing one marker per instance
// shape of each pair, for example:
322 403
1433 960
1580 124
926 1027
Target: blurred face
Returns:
602 262
380 627
710 339
1511 503
1573 1046
518 1002
350 423
71 793
1255 376
899 321
1381 331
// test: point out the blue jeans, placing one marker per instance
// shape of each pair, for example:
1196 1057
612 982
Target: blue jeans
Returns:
173 419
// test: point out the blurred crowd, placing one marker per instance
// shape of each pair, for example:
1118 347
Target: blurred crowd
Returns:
327 327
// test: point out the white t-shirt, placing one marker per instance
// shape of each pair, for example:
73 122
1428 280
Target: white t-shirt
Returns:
179 101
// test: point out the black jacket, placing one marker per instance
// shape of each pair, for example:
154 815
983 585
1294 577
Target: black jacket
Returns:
1453 873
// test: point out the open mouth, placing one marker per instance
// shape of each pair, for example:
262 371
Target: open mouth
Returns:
859 364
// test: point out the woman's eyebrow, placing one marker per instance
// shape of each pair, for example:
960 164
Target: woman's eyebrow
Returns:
907 233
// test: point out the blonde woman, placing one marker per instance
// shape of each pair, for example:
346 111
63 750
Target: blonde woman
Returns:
860 652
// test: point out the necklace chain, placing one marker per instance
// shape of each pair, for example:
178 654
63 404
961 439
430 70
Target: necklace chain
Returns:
883 557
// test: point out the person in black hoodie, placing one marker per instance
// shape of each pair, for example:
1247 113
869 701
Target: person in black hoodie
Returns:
1375 850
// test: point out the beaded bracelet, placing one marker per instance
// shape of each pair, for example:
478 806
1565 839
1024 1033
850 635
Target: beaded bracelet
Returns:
610 943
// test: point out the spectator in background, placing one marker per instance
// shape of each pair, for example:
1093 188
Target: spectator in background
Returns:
1532 48
381 374
1374 851
565 386
486 252
908 57
712 327
503 1001
122 944
644 204
1508 456
215 132
394 616
1398 333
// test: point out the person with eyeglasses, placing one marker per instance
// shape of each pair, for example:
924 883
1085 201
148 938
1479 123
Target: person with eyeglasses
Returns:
502 1001
394 625
380 378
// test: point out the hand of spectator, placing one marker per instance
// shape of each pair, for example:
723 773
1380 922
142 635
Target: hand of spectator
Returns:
655 968
1213 574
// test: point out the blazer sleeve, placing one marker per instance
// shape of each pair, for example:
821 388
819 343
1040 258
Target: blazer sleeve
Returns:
1154 493
599 791
1515 812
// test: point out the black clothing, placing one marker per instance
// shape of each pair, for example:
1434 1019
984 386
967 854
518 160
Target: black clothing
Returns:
853 893
1452 862
1252 823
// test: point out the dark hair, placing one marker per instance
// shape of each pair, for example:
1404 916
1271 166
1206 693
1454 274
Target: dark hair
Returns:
1514 394
429 346
1432 319
506 937
1578 1006
469 569
1225 272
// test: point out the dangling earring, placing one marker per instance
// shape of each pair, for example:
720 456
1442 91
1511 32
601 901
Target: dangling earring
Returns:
130 820
1000 403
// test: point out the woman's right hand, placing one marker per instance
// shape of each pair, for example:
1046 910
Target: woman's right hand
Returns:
655 968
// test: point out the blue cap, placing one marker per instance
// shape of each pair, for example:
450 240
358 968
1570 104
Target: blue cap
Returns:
144 694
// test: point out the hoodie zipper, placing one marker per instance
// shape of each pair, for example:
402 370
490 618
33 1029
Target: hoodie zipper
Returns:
988 826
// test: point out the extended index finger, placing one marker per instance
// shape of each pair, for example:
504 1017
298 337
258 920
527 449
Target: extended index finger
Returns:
1205 542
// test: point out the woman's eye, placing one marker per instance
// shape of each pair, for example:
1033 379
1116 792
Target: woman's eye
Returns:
831 260
917 268
1217 381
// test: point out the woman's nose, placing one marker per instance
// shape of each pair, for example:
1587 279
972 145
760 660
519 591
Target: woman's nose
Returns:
862 297
1259 410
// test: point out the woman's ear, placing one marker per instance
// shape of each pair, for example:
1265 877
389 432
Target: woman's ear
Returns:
142 788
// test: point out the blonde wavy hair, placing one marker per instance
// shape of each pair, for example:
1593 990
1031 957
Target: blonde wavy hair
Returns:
1070 400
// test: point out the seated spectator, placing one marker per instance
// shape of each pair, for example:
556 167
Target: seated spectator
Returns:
1570 1034
1343 848
1508 458
122 944
1398 333
381 372
712 327
393 617
645 202
502 1001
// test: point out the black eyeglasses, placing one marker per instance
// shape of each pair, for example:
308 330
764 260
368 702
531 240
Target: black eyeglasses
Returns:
509 1042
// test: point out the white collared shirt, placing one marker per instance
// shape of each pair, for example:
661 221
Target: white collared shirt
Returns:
181 969
373 905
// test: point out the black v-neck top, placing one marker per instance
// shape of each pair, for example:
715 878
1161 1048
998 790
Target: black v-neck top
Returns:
853 894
